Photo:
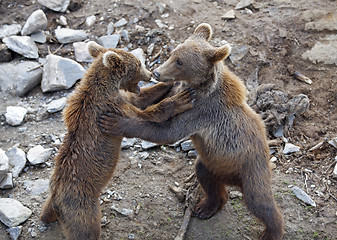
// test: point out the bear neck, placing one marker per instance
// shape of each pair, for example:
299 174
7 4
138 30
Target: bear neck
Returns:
233 89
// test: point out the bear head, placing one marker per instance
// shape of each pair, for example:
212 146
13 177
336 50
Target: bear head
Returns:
193 61
118 67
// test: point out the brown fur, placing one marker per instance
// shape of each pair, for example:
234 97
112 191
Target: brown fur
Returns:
87 158
228 135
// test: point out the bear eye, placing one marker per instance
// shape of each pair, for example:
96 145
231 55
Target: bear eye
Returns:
179 63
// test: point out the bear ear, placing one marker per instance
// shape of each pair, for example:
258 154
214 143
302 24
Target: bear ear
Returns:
203 30
94 49
111 59
221 53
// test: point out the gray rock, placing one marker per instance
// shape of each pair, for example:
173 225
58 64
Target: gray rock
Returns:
128 142
62 21
15 232
4 165
303 196
325 22
290 148
150 48
17 159
67 35
229 15
18 78
160 23
161 7
7 183
89 21
147 145
139 53
238 53
23 45
333 142
81 52
12 212
125 35
39 154
60 73
122 22
243 4
39 37
109 41
322 52
9 30
56 5
192 153
37 21
110 28
36 187
5 54
15 115
56 105
123 211
187 145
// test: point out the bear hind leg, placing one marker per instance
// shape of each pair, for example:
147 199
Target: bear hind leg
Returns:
216 194
260 202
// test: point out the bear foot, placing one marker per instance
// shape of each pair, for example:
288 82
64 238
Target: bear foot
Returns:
206 209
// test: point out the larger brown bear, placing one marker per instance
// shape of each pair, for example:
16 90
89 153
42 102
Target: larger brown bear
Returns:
228 135
87 157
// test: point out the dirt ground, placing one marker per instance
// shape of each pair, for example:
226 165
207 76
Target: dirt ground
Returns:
275 34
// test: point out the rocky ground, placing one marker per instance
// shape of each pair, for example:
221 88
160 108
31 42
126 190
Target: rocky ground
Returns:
284 50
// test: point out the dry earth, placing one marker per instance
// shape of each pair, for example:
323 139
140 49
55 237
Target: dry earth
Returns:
276 36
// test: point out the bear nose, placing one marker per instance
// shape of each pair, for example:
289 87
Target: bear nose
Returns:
156 75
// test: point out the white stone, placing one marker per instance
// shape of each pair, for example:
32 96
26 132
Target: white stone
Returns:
39 37
303 196
9 30
161 7
322 52
63 21
243 4
12 212
290 148
17 159
109 41
56 105
60 73
160 23
122 22
37 21
147 145
56 5
4 165
81 52
128 142
18 78
67 35
333 142
23 45
187 145
39 154
15 115
139 53
110 28
7 183
15 232
89 21
229 15
238 53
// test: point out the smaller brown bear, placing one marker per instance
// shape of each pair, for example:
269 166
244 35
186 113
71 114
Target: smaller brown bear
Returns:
87 158
228 135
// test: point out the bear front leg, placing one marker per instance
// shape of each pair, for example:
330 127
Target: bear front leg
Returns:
168 107
151 95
